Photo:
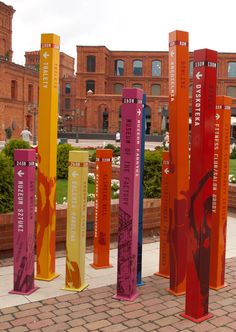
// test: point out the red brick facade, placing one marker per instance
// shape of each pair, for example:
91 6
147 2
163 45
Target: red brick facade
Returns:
6 14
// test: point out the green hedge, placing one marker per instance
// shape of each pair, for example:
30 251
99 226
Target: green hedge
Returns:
233 154
13 144
62 160
6 184
152 174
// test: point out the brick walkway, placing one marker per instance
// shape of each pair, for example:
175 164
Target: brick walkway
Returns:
95 310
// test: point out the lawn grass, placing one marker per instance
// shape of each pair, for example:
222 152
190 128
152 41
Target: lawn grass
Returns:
232 167
62 190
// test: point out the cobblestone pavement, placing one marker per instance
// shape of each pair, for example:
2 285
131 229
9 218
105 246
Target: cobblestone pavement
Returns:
95 310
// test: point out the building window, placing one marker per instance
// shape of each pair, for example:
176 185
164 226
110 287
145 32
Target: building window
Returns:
232 69
156 90
67 103
90 85
137 67
191 68
137 85
30 93
13 89
91 63
156 68
67 88
231 91
119 67
118 88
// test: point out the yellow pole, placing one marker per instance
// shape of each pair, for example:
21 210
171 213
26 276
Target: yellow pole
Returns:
47 156
76 221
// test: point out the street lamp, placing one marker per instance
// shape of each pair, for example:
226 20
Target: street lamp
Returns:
77 125
32 109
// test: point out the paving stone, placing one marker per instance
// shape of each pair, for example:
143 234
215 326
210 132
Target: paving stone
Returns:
40 324
96 317
97 325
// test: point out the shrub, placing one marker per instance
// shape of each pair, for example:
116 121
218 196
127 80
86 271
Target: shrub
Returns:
115 149
152 174
233 153
6 184
13 144
62 160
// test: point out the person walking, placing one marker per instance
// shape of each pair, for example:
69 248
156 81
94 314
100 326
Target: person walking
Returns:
26 134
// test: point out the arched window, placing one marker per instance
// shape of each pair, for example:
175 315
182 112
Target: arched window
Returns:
68 88
155 90
30 93
231 91
156 68
232 69
119 67
91 63
90 85
137 67
137 85
14 89
118 88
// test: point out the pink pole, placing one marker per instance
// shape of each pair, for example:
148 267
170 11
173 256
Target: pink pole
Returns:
23 246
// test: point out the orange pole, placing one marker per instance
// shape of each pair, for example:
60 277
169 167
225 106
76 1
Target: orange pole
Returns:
164 259
179 157
220 192
102 209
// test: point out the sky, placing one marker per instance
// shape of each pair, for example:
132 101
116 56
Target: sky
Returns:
126 25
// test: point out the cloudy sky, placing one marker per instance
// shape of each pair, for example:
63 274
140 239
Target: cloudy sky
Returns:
123 24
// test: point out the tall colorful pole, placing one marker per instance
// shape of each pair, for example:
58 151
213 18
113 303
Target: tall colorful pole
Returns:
141 194
220 191
164 257
129 194
179 157
47 156
201 181
76 221
102 209
23 248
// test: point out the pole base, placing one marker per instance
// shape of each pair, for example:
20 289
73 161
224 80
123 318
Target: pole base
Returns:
47 279
125 298
24 293
96 267
159 274
175 293
219 287
197 320
80 289
140 283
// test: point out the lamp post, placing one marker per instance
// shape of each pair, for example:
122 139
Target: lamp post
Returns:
32 109
77 125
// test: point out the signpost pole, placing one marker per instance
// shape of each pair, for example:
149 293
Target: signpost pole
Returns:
141 195
201 185
220 192
47 156
129 194
179 157
23 247
102 209
76 221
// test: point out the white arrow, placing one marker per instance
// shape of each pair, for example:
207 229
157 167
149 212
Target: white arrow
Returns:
199 75
139 112
20 173
74 174
45 55
217 116
166 170
97 167
172 53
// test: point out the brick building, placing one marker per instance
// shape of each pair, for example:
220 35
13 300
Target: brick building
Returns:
90 100
18 85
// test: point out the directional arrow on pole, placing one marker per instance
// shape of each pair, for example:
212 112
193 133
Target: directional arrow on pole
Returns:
217 116
139 112
45 55
172 53
199 75
166 170
20 173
